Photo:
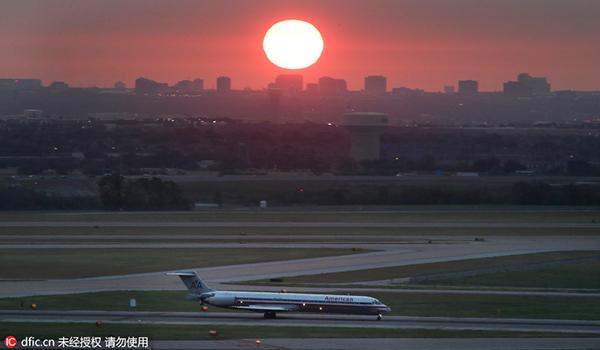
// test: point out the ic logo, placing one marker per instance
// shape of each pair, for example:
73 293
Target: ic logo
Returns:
10 341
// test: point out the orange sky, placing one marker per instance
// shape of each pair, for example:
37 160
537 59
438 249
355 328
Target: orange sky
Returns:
425 44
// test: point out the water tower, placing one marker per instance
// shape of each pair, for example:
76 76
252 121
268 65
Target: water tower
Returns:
364 130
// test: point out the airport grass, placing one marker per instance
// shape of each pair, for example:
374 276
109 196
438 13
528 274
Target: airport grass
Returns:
55 331
104 233
491 306
575 276
94 262
402 304
401 214
93 233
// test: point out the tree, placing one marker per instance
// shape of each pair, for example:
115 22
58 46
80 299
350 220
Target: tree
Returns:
154 194
111 191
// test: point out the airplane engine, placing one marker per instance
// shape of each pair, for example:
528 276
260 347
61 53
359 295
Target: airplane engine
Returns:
221 300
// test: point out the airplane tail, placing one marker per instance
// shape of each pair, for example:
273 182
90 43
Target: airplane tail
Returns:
193 283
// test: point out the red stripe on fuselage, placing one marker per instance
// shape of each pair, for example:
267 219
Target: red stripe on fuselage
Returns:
242 302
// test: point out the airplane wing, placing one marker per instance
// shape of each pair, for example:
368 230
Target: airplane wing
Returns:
262 308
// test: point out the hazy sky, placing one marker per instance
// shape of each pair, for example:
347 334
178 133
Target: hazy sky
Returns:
424 44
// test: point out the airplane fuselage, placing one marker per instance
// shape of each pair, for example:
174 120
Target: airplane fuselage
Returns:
257 301
271 303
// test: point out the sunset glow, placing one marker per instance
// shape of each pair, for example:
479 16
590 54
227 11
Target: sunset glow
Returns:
414 43
293 44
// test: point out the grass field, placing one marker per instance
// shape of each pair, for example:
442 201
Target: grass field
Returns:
25 235
90 262
489 214
575 276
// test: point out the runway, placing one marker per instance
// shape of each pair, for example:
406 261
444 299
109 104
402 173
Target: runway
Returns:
299 224
216 319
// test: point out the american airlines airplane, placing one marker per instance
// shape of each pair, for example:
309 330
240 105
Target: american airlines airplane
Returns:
270 303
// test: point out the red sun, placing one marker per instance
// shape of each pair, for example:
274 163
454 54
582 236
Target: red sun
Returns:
293 44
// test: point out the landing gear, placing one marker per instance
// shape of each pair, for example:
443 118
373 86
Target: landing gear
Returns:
270 314
378 317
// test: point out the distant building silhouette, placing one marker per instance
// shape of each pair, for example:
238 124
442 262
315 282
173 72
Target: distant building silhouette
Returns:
516 89
119 85
20 84
449 89
59 86
537 85
312 88
526 86
375 84
468 87
198 84
290 84
406 91
223 84
145 86
331 86
184 86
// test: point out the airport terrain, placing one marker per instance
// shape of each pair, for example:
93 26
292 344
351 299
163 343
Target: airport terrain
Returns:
374 252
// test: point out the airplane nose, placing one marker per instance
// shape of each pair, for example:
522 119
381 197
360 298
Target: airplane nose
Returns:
387 310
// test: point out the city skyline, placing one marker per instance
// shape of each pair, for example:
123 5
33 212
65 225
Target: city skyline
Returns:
420 45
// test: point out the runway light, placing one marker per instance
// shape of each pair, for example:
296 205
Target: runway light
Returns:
258 342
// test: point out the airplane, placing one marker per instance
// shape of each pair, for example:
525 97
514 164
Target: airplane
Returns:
270 303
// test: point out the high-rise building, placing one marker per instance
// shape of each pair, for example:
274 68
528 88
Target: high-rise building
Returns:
198 84
184 86
223 84
145 86
312 88
516 89
290 84
526 86
468 87
330 86
537 85
375 84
